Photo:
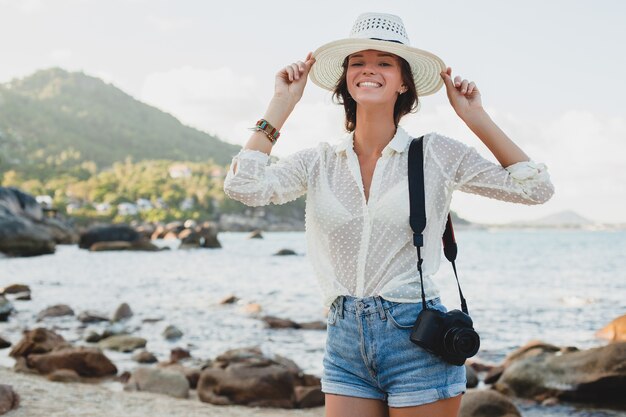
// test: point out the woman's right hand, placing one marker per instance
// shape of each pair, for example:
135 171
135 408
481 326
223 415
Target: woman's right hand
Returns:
291 80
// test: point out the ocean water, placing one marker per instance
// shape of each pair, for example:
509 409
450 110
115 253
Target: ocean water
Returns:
559 286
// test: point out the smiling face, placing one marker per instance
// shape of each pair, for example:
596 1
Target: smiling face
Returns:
374 77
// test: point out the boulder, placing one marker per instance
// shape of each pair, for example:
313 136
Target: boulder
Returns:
615 331
63 375
110 233
14 289
9 399
255 234
172 332
122 343
472 377
23 296
313 325
208 232
192 375
487 403
57 310
91 317
229 299
61 232
38 340
4 343
161 381
278 323
596 375
178 354
247 377
122 312
144 356
87 362
189 239
284 252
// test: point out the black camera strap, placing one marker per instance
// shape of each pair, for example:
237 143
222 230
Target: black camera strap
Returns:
417 217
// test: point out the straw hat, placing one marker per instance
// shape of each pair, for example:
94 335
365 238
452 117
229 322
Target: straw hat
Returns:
383 32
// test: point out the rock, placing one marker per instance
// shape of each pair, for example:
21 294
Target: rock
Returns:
229 299
486 403
160 381
91 317
64 375
110 246
158 233
122 312
178 353
494 374
550 401
192 375
6 308
252 308
4 343
189 239
146 231
122 343
284 252
278 323
313 325
9 399
172 332
592 375
57 310
472 377
21 233
110 233
246 376
255 234
145 245
38 340
93 337
62 233
174 227
144 356
208 232
532 348
14 289
87 362
308 397
615 331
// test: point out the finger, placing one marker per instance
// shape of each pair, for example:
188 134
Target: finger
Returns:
457 81
446 77
289 71
464 84
296 71
301 66
471 87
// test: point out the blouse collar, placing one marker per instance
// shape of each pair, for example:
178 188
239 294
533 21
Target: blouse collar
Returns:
398 143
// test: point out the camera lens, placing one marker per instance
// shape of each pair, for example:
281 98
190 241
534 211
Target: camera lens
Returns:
461 341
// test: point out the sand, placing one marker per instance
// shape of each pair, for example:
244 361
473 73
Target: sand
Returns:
42 398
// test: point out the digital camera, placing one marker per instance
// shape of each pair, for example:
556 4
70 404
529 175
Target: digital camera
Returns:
449 335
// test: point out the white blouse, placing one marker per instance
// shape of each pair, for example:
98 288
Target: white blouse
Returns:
365 249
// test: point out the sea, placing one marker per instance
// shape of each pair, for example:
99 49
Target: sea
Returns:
558 286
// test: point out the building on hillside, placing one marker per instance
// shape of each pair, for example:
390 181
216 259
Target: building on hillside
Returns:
179 171
45 201
144 204
127 209
102 208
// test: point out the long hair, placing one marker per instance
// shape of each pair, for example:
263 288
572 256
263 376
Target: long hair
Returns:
406 102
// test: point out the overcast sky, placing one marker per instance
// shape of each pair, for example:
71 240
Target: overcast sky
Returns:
552 74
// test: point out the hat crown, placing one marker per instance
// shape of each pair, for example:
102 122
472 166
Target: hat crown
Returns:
381 26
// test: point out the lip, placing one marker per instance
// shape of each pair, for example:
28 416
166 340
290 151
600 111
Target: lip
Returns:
368 81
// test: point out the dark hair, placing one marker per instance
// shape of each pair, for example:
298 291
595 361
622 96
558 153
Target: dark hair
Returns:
407 102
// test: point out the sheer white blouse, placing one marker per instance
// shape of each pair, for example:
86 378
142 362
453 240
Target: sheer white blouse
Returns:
364 248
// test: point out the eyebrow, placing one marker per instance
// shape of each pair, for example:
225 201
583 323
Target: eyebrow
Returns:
379 55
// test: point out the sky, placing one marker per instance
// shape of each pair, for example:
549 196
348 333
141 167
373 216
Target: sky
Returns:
551 74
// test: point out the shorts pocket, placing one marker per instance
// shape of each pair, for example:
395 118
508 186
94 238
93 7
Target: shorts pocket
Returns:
404 315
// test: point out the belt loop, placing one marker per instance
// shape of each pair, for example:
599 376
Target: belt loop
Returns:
340 306
381 309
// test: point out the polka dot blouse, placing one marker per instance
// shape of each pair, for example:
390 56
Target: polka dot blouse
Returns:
364 248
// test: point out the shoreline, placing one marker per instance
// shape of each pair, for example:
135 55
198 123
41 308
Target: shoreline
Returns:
42 398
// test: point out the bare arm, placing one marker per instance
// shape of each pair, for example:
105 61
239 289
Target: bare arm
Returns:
289 86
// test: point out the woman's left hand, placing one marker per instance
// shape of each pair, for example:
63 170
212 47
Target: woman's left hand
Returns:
463 95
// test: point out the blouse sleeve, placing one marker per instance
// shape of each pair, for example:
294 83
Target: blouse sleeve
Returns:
525 182
257 184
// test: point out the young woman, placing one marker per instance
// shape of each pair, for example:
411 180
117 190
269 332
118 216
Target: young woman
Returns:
357 209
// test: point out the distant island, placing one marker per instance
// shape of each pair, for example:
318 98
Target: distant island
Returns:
566 219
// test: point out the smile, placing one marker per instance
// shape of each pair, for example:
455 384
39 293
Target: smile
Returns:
369 84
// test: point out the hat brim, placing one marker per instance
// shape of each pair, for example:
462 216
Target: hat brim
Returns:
425 66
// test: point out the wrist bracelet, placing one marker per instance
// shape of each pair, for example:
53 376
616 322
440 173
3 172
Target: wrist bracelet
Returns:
270 131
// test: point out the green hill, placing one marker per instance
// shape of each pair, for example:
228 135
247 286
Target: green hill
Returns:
68 118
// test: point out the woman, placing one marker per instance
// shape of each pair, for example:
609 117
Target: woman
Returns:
357 209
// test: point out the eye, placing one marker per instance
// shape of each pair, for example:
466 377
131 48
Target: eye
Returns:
385 64
354 64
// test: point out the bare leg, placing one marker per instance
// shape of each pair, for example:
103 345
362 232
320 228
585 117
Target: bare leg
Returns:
448 407
345 406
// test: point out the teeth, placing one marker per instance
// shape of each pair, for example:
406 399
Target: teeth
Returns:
368 84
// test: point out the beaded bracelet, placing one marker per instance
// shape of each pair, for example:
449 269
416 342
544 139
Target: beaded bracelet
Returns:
270 131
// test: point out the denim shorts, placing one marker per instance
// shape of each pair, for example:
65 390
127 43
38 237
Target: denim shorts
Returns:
369 354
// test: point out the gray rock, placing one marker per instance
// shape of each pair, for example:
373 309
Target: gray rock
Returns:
58 310
172 332
9 399
144 356
6 308
4 343
161 381
14 289
91 317
122 312
122 343
486 403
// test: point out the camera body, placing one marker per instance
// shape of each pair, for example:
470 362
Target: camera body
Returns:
449 335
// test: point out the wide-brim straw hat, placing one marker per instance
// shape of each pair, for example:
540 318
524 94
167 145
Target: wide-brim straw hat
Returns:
382 32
